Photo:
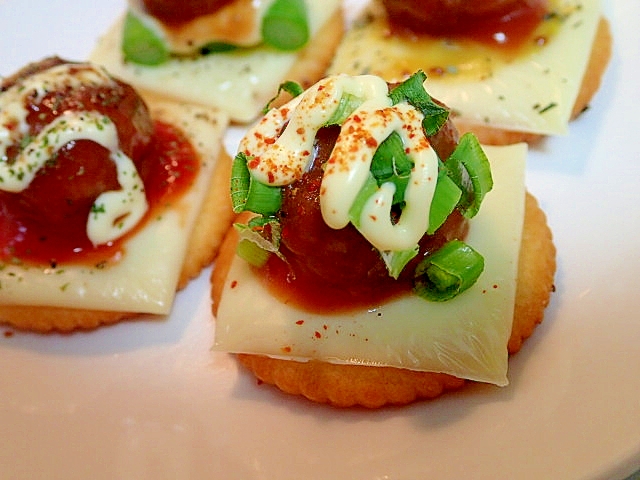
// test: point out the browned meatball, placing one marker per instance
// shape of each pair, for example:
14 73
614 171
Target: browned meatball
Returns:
172 12
454 16
67 185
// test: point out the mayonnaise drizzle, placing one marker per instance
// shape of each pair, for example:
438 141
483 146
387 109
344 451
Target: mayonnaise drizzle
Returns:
115 212
281 160
347 171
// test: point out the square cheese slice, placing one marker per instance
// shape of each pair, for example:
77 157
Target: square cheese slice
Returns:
144 280
466 336
534 93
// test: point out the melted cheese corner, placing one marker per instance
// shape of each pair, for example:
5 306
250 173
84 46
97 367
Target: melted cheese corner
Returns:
240 82
145 279
466 337
533 94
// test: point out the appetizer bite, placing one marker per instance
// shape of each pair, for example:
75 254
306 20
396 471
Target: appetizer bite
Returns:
108 205
383 258
231 54
510 70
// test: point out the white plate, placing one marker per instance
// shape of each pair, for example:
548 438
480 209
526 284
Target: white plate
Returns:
150 400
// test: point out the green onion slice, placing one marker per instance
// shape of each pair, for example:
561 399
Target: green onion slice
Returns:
368 189
469 168
445 199
217 47
251 253
292 88
248 194
285 25
396 261
448 272
348 104
412 91
390 163
255 246
140 44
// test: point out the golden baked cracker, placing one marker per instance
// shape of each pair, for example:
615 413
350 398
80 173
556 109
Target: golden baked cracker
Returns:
495 136
48 319
214 219
598 61
368 386
536 270
349 385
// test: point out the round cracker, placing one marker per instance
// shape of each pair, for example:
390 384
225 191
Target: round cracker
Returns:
598 61
373 387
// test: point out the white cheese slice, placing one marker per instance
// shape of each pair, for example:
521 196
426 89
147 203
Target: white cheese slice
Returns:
144 280
466 337
240 82
534 93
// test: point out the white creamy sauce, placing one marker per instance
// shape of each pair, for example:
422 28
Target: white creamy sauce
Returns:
114 212
281 160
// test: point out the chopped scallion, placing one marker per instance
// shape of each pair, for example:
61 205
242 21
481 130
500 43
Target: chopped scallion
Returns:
248 194
217 47
140 44
390 163
251 253
368 189
445 199
348 103
396 261
285 25
266 240
448 272
469 168
412 91
292 88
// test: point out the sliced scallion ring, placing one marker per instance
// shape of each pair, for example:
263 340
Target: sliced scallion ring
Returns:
448 272
285 25
390 163
469 168
250 195
413 92
292 88
348 104
217 47
368 189
257 246
140 44
396 261
445 199
251 253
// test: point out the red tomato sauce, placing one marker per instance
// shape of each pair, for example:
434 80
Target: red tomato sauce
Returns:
314 291
170 167
507 29
171 12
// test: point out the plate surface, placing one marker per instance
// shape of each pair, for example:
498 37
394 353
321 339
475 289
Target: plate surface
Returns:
150 400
